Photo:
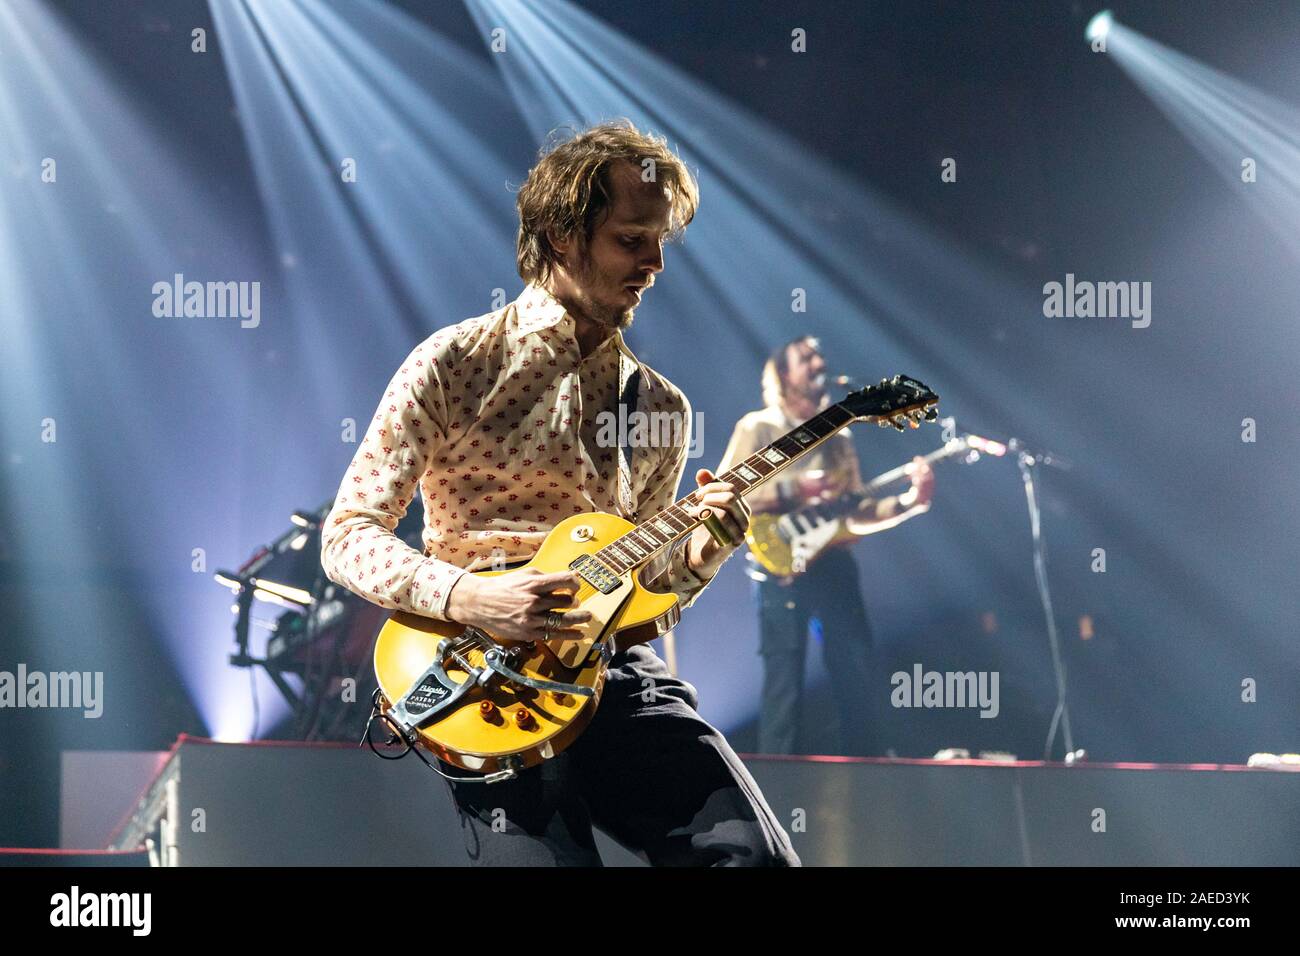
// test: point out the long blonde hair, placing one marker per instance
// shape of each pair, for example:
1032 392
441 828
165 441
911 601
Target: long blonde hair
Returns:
774 369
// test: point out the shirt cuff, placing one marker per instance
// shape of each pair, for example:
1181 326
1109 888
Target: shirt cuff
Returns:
430 589
683 581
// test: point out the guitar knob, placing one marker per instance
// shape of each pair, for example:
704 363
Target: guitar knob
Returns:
487 710
523 718
559 697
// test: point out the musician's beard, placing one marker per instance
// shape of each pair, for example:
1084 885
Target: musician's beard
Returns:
610 316
814 392
817 389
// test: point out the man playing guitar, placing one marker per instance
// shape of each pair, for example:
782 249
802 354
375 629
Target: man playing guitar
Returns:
495 422
794 389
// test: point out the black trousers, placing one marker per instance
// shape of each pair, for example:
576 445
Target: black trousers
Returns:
828 590
648 770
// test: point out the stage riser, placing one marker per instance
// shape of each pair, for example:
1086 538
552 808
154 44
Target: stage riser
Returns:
332 806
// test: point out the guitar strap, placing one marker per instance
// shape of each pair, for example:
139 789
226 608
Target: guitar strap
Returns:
629 384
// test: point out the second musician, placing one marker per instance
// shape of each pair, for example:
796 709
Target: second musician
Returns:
794 389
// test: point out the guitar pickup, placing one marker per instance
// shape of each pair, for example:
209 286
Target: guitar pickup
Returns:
591 570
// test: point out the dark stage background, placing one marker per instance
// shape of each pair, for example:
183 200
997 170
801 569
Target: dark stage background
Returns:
178 436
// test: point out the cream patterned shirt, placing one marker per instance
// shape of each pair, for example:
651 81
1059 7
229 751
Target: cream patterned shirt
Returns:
493 421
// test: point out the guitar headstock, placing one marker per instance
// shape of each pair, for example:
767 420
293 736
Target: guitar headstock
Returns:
899 401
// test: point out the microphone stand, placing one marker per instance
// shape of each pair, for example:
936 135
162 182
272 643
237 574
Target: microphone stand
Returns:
1029 461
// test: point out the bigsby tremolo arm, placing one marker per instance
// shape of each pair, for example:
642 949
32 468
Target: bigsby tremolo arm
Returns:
435 692
496 659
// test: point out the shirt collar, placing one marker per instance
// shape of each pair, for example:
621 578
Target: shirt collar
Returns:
538 310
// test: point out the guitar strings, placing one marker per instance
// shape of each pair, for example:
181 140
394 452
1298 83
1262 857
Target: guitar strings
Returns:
468 642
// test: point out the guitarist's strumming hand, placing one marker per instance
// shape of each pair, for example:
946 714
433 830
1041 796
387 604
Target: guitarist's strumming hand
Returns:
704 554
514 606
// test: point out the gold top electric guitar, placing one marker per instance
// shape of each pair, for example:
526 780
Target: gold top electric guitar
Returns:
787 543
496 707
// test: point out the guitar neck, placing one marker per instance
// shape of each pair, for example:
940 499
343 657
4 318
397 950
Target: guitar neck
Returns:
955 447
662 529
850 501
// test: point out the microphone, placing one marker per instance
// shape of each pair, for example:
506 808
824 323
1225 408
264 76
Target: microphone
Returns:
1037 456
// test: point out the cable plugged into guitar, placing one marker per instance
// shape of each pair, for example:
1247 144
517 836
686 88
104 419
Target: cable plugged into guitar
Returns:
508 772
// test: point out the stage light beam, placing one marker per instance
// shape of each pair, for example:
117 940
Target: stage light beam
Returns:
1099 26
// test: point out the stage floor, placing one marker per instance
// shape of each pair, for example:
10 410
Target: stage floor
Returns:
275 803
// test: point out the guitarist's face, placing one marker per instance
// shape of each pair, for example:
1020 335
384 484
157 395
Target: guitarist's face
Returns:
625 250
805 374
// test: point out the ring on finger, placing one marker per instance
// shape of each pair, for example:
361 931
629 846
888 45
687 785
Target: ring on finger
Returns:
554 620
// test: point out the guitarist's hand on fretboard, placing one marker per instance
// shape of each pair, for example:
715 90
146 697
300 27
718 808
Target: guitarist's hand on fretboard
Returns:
922 490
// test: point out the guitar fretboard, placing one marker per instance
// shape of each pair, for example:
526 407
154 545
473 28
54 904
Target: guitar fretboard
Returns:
848 502
663 528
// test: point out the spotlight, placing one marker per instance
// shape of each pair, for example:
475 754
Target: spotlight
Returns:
1099 26
305 519
280 592
228 579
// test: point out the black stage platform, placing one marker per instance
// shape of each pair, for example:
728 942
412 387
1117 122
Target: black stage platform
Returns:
270 804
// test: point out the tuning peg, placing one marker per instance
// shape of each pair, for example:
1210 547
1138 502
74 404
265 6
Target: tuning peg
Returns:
882 422
931 414
897 421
